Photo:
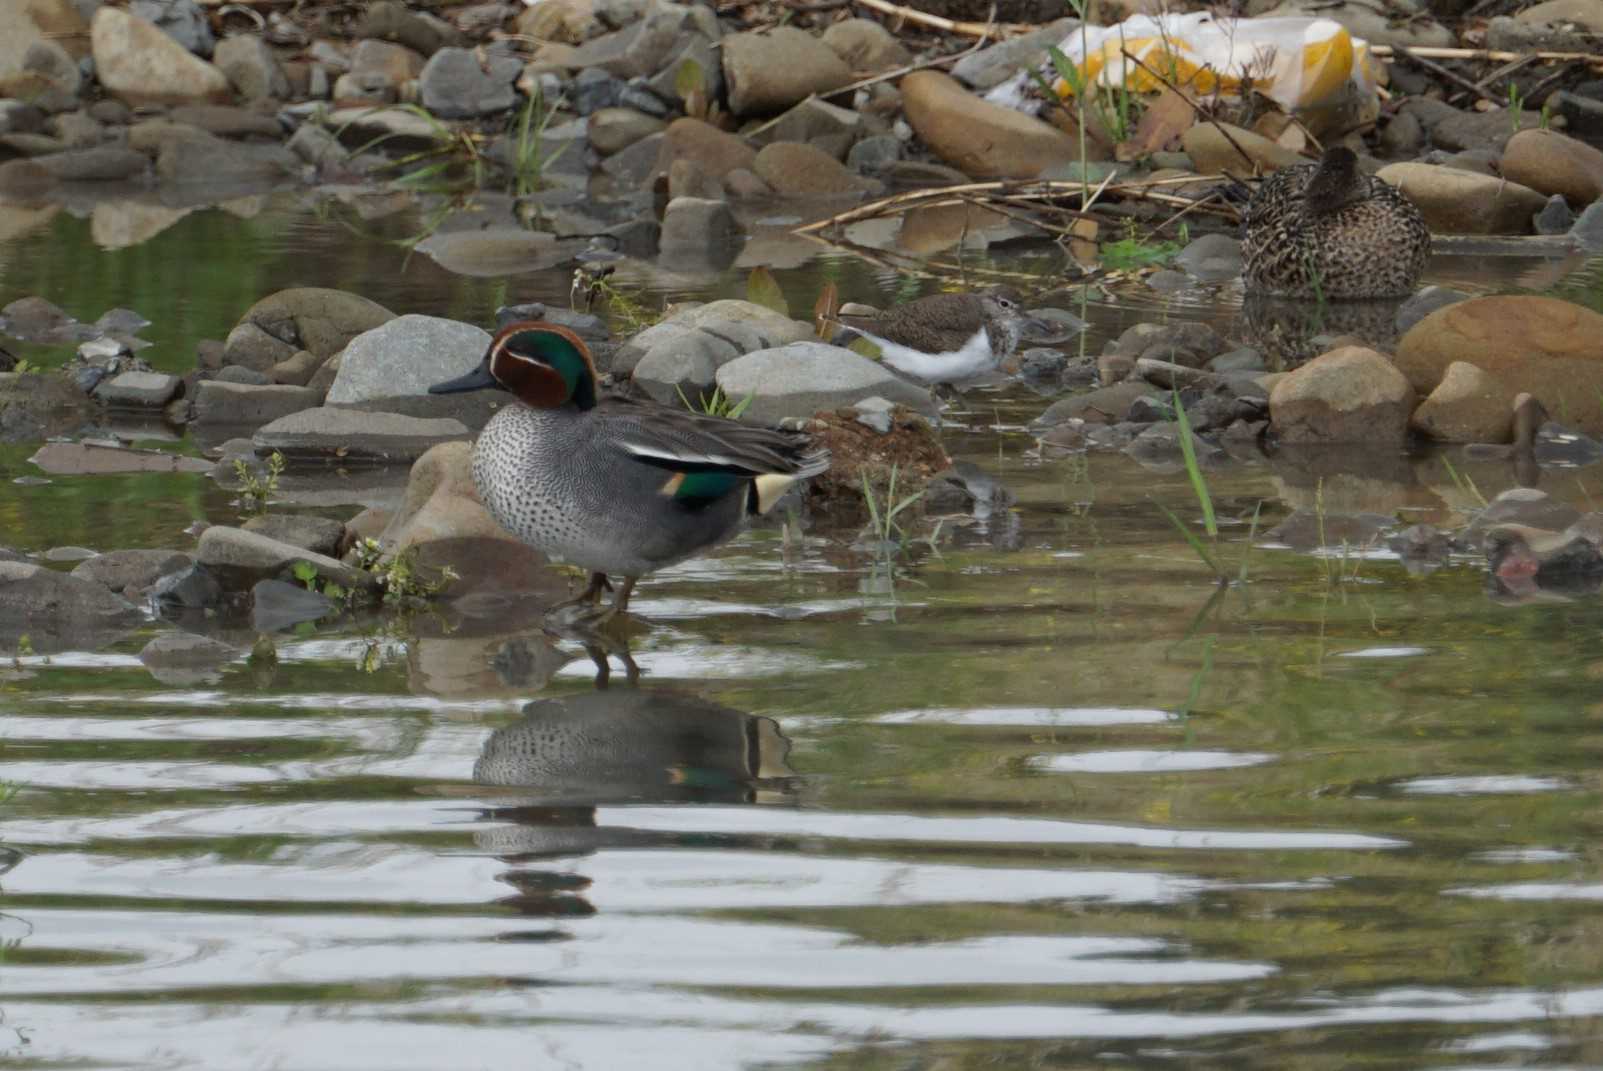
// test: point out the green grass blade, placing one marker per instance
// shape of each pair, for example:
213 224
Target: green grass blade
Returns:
1191 537
1194 470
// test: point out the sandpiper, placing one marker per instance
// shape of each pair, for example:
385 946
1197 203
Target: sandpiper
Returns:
945 338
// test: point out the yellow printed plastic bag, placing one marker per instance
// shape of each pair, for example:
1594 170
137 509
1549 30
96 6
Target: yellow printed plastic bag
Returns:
1299 63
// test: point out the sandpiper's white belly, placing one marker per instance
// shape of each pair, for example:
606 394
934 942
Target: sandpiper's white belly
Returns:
971 359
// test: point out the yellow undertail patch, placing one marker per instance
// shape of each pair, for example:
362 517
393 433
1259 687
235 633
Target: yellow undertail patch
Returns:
769 488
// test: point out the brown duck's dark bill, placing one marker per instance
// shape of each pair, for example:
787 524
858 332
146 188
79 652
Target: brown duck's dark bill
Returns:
478 379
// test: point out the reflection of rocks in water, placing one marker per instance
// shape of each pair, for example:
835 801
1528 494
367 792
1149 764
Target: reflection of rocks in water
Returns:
1290 333
635 744
1527 564
514 664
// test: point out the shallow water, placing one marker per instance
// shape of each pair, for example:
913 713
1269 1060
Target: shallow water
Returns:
1034 792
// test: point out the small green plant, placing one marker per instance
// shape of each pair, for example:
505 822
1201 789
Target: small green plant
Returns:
1210 521
401 579
690 82
25 367
627 313
256 491
528 157
717 404
308 575
1132 254
882 513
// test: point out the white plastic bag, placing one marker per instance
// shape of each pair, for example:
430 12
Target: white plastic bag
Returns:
1299 63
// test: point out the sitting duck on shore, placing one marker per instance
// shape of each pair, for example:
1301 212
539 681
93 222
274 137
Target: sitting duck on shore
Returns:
1328 231
617 487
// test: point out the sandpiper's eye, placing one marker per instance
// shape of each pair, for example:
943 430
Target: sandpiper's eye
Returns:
1005 303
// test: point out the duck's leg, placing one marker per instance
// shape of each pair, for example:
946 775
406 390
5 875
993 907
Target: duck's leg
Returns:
591 594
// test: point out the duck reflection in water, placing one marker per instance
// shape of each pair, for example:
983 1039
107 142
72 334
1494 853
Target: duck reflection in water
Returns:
567 755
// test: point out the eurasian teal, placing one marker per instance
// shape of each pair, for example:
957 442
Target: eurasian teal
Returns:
946 338
619 487
1328 230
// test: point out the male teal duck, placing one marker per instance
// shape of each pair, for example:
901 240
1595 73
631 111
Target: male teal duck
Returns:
619 487
1328 230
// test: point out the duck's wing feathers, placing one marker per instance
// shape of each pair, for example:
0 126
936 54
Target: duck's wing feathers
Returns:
682 441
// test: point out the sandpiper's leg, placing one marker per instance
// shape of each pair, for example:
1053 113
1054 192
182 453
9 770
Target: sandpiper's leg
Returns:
591 594
620 601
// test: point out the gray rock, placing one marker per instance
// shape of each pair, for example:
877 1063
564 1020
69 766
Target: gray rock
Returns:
639 50
992 66
815 122
1555 217
312 318
872 155
1426 301
234 373
321 535
132 572
1507 34
1481 130
1588 230
149 390
1190 344
631 166
1403 136
697 223
1105 405
55 65
185 650
191 589
1245 359
182 20
277 604
356 435
638 96
251 68
1582 110
238 559
799 379
95 165
251 346
613 129
202 158
455 84
769 72
56 610
389 20
217 402
595 90
406 355
684 366
1213 258
1159 446
227 121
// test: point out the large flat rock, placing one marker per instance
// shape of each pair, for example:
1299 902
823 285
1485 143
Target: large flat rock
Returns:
356 435
799 379
404 356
